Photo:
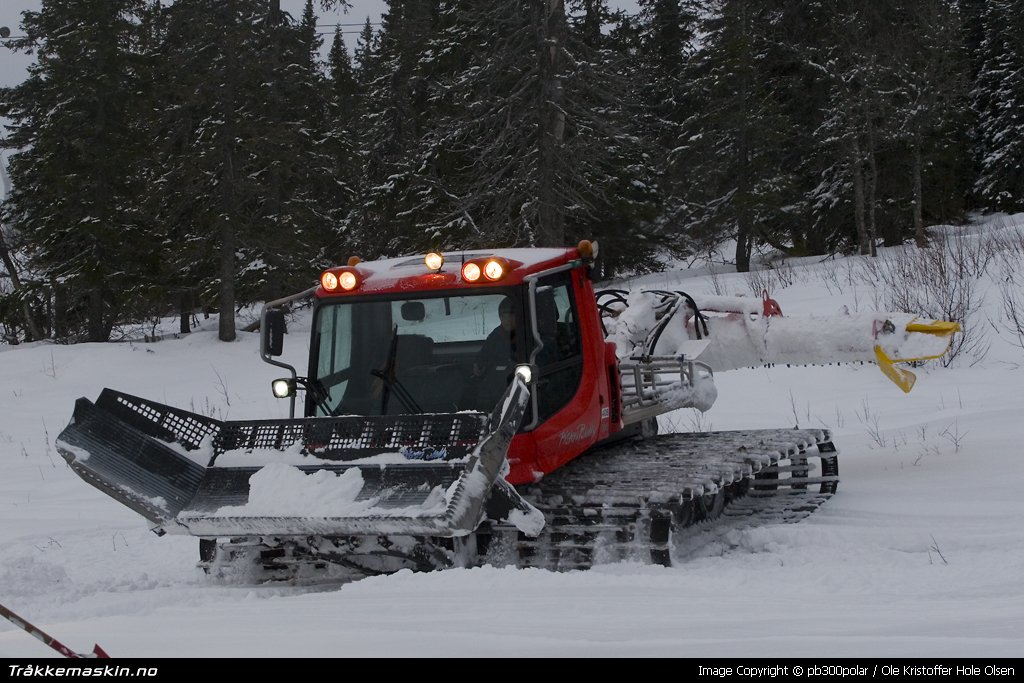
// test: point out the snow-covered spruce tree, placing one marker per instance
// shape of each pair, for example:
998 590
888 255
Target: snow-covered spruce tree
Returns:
344 95
891 139
20 310
238 164
524 140
929 113
312 185
857 56
344 102
390 125
795 60
298 197
616 141
364 56
998 99
75 176
664 44
795 46
731 148
656 46
972 33
186 258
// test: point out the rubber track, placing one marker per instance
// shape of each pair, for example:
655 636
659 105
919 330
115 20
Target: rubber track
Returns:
637 500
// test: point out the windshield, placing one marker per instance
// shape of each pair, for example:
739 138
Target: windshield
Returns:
434 354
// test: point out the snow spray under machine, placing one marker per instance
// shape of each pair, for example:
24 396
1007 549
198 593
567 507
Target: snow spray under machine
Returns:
418 452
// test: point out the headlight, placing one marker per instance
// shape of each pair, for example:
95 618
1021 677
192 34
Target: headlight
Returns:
283 388
471 272
525 372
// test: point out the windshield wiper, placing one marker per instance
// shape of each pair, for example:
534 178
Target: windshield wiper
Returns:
391 382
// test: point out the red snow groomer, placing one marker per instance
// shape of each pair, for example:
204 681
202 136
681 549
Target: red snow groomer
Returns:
487 406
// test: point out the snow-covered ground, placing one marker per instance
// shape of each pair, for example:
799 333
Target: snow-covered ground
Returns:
920 554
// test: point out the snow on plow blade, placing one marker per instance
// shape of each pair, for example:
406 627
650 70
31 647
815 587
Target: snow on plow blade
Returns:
429 474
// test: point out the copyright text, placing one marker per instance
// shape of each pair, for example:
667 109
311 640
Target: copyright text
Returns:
866 671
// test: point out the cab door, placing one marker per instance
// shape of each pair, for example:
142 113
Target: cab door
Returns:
566 411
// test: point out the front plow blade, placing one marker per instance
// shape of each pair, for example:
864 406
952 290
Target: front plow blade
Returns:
406 474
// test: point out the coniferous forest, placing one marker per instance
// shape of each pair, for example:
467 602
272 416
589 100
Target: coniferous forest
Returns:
167 158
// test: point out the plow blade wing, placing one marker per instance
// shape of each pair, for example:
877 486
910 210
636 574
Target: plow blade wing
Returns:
429 474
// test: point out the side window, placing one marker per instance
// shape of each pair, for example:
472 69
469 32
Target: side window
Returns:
567 335
556 324
559 359
335 349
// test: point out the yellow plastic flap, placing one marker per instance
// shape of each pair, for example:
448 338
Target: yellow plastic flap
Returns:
904 379
937 327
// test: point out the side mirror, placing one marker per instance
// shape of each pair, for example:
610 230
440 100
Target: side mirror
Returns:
273 332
